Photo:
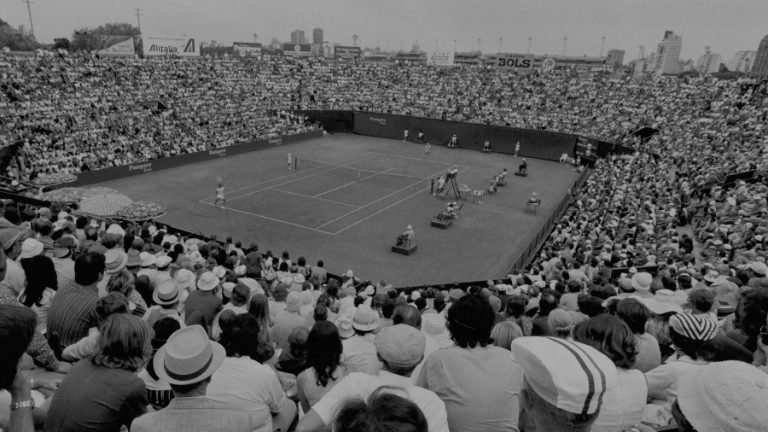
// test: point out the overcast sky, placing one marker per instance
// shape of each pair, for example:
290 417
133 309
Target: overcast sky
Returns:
725 25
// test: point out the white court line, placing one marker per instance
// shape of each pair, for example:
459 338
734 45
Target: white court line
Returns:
293 174
353 182
382 198
313 197
379 211
236 197
269 218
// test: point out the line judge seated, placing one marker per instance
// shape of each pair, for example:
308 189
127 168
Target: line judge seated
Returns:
523 168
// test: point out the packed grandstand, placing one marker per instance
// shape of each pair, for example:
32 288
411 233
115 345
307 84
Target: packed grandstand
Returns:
653 284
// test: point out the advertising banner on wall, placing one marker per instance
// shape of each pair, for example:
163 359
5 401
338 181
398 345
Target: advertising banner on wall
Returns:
164 46
347 52
119 47
297 50
247 49
441 58
518 62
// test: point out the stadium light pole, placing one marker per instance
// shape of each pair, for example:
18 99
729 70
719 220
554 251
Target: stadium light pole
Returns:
602 45
529 44
500 40
480 45
454 45
565 40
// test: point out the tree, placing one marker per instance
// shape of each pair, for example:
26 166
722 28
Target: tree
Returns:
93 39
61 43
16 39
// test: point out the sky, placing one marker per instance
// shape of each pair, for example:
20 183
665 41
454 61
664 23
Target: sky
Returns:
726 26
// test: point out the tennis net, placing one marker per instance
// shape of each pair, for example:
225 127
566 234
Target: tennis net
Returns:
353 173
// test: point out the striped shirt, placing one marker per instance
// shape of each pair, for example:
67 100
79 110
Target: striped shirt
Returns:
72 313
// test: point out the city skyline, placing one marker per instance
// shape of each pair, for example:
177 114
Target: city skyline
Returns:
727 27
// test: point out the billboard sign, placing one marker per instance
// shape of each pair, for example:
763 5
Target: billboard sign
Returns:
297 50
246 49
347 52
520 62
444 58
173 46
119 48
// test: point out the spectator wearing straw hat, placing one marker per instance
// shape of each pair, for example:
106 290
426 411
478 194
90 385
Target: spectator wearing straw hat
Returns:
114 262
359 352
166 299
758 277
187 362
400 348
564 384
288 320
204 299
725 396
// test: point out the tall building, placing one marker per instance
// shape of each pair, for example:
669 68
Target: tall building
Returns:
668 54
742 61
615 58
297 37
317 36
761 58
708 63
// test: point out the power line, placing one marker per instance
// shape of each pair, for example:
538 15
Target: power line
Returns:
29 10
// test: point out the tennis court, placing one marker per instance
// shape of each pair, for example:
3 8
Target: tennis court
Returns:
348 199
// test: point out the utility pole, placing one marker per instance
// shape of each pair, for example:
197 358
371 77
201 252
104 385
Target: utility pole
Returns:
29 10
138 18
602 45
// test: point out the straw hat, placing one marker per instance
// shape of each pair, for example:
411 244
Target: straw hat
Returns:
188 357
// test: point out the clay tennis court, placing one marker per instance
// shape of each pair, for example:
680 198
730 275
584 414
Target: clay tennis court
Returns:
349 198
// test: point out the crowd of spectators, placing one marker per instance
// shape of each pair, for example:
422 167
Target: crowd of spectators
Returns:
646 308
74 113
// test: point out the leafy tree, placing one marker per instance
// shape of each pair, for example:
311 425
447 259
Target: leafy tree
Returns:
93 39
61 43
16 39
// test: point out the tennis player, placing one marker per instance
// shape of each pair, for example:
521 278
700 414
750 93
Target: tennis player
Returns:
427 146
290 161
219 194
